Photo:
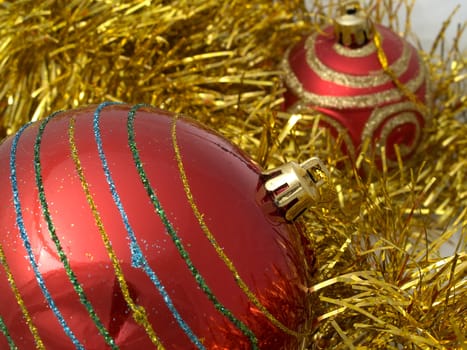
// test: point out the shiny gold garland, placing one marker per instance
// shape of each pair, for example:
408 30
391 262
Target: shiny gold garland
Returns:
380 281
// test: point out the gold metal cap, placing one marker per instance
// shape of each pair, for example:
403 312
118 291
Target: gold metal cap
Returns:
295 187
353 28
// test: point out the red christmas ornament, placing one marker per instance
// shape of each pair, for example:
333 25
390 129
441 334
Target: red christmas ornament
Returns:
341 74
103 246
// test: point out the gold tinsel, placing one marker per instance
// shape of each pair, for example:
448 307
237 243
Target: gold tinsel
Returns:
380 281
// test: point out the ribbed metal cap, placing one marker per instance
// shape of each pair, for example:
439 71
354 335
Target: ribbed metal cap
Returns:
353 28
295 187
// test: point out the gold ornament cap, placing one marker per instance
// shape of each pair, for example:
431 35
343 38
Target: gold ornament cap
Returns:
295 187
353 28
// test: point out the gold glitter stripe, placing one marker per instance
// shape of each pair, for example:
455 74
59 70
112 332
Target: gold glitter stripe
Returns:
199 216
364 51
20 301
393 123
139 313
342 102
394 75
402 113
380 114
373 79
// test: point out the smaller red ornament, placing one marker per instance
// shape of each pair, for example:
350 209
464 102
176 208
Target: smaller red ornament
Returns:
341 74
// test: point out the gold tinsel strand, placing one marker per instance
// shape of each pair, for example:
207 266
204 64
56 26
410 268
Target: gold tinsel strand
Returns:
379 281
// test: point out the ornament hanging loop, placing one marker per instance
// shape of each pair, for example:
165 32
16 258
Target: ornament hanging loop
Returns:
295 187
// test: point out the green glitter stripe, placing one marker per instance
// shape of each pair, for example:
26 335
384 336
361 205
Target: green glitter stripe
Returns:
5 332
173 234
63 258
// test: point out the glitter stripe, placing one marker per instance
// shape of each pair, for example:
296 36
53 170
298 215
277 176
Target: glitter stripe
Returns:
383 60
63 258
137 256
7 335
27 244
20 301
139 313
220 252
171 231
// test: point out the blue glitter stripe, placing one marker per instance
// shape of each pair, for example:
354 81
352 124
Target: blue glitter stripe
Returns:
27 243
5 332
138 258
53 234
176 239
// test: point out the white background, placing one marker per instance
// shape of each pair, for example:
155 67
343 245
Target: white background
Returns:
427 20
428 17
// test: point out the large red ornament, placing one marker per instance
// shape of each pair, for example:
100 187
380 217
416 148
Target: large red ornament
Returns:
78 177
338 75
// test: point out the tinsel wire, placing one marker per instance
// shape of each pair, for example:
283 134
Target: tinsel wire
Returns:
384 64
